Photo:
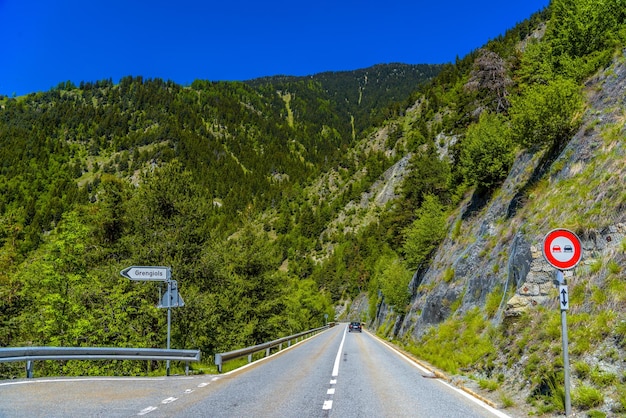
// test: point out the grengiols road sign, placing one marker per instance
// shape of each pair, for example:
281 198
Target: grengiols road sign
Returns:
562 249
148 273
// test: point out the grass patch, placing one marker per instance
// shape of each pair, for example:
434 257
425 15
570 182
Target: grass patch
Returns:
506 401
587 397
613 267
603 379
493 301
581 369
448 275
458 343
488 384
616 288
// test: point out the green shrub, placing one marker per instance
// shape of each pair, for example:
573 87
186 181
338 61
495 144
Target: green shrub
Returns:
546 114
393 279
425 233
487 151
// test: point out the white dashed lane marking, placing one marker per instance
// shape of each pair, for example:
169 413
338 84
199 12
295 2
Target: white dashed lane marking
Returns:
147 410
172 398
169 400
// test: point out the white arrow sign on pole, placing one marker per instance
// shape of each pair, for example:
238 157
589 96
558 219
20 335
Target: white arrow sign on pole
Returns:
148 273
563 297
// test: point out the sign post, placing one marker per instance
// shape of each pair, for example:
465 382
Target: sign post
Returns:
170 300
562 250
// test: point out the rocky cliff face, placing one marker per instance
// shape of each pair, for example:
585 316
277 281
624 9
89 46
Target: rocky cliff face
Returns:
495 242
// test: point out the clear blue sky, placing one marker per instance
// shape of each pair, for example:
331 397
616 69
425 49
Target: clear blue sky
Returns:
44 42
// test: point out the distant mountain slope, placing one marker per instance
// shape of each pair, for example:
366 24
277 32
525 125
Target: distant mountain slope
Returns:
370 94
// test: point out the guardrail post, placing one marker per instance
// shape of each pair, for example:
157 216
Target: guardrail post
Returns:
29 369
249 358
218 362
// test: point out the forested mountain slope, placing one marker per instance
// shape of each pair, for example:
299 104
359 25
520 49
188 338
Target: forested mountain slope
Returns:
280 200
101 176
370 95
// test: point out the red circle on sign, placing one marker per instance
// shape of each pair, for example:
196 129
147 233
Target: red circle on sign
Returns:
562 249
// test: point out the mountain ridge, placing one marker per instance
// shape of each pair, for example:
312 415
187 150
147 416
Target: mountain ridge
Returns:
284 200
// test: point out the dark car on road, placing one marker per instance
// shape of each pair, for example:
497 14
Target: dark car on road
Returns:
354 326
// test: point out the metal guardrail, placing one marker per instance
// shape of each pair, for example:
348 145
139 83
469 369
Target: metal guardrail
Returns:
220 358
31 354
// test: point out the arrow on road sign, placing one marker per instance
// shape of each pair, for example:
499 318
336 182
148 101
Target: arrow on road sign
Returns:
564 297
148 273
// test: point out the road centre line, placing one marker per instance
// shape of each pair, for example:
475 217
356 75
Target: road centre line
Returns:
328 404
338 358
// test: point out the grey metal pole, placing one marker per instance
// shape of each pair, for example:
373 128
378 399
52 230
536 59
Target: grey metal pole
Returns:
568 400
169 322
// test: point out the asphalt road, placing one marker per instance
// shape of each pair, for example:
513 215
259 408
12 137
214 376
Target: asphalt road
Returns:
334 374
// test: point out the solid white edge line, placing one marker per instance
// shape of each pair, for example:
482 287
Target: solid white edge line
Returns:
421 368
93 379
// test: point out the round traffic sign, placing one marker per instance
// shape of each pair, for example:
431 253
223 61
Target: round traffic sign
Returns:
562 249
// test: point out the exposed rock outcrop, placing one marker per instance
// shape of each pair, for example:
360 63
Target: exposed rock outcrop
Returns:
497 245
